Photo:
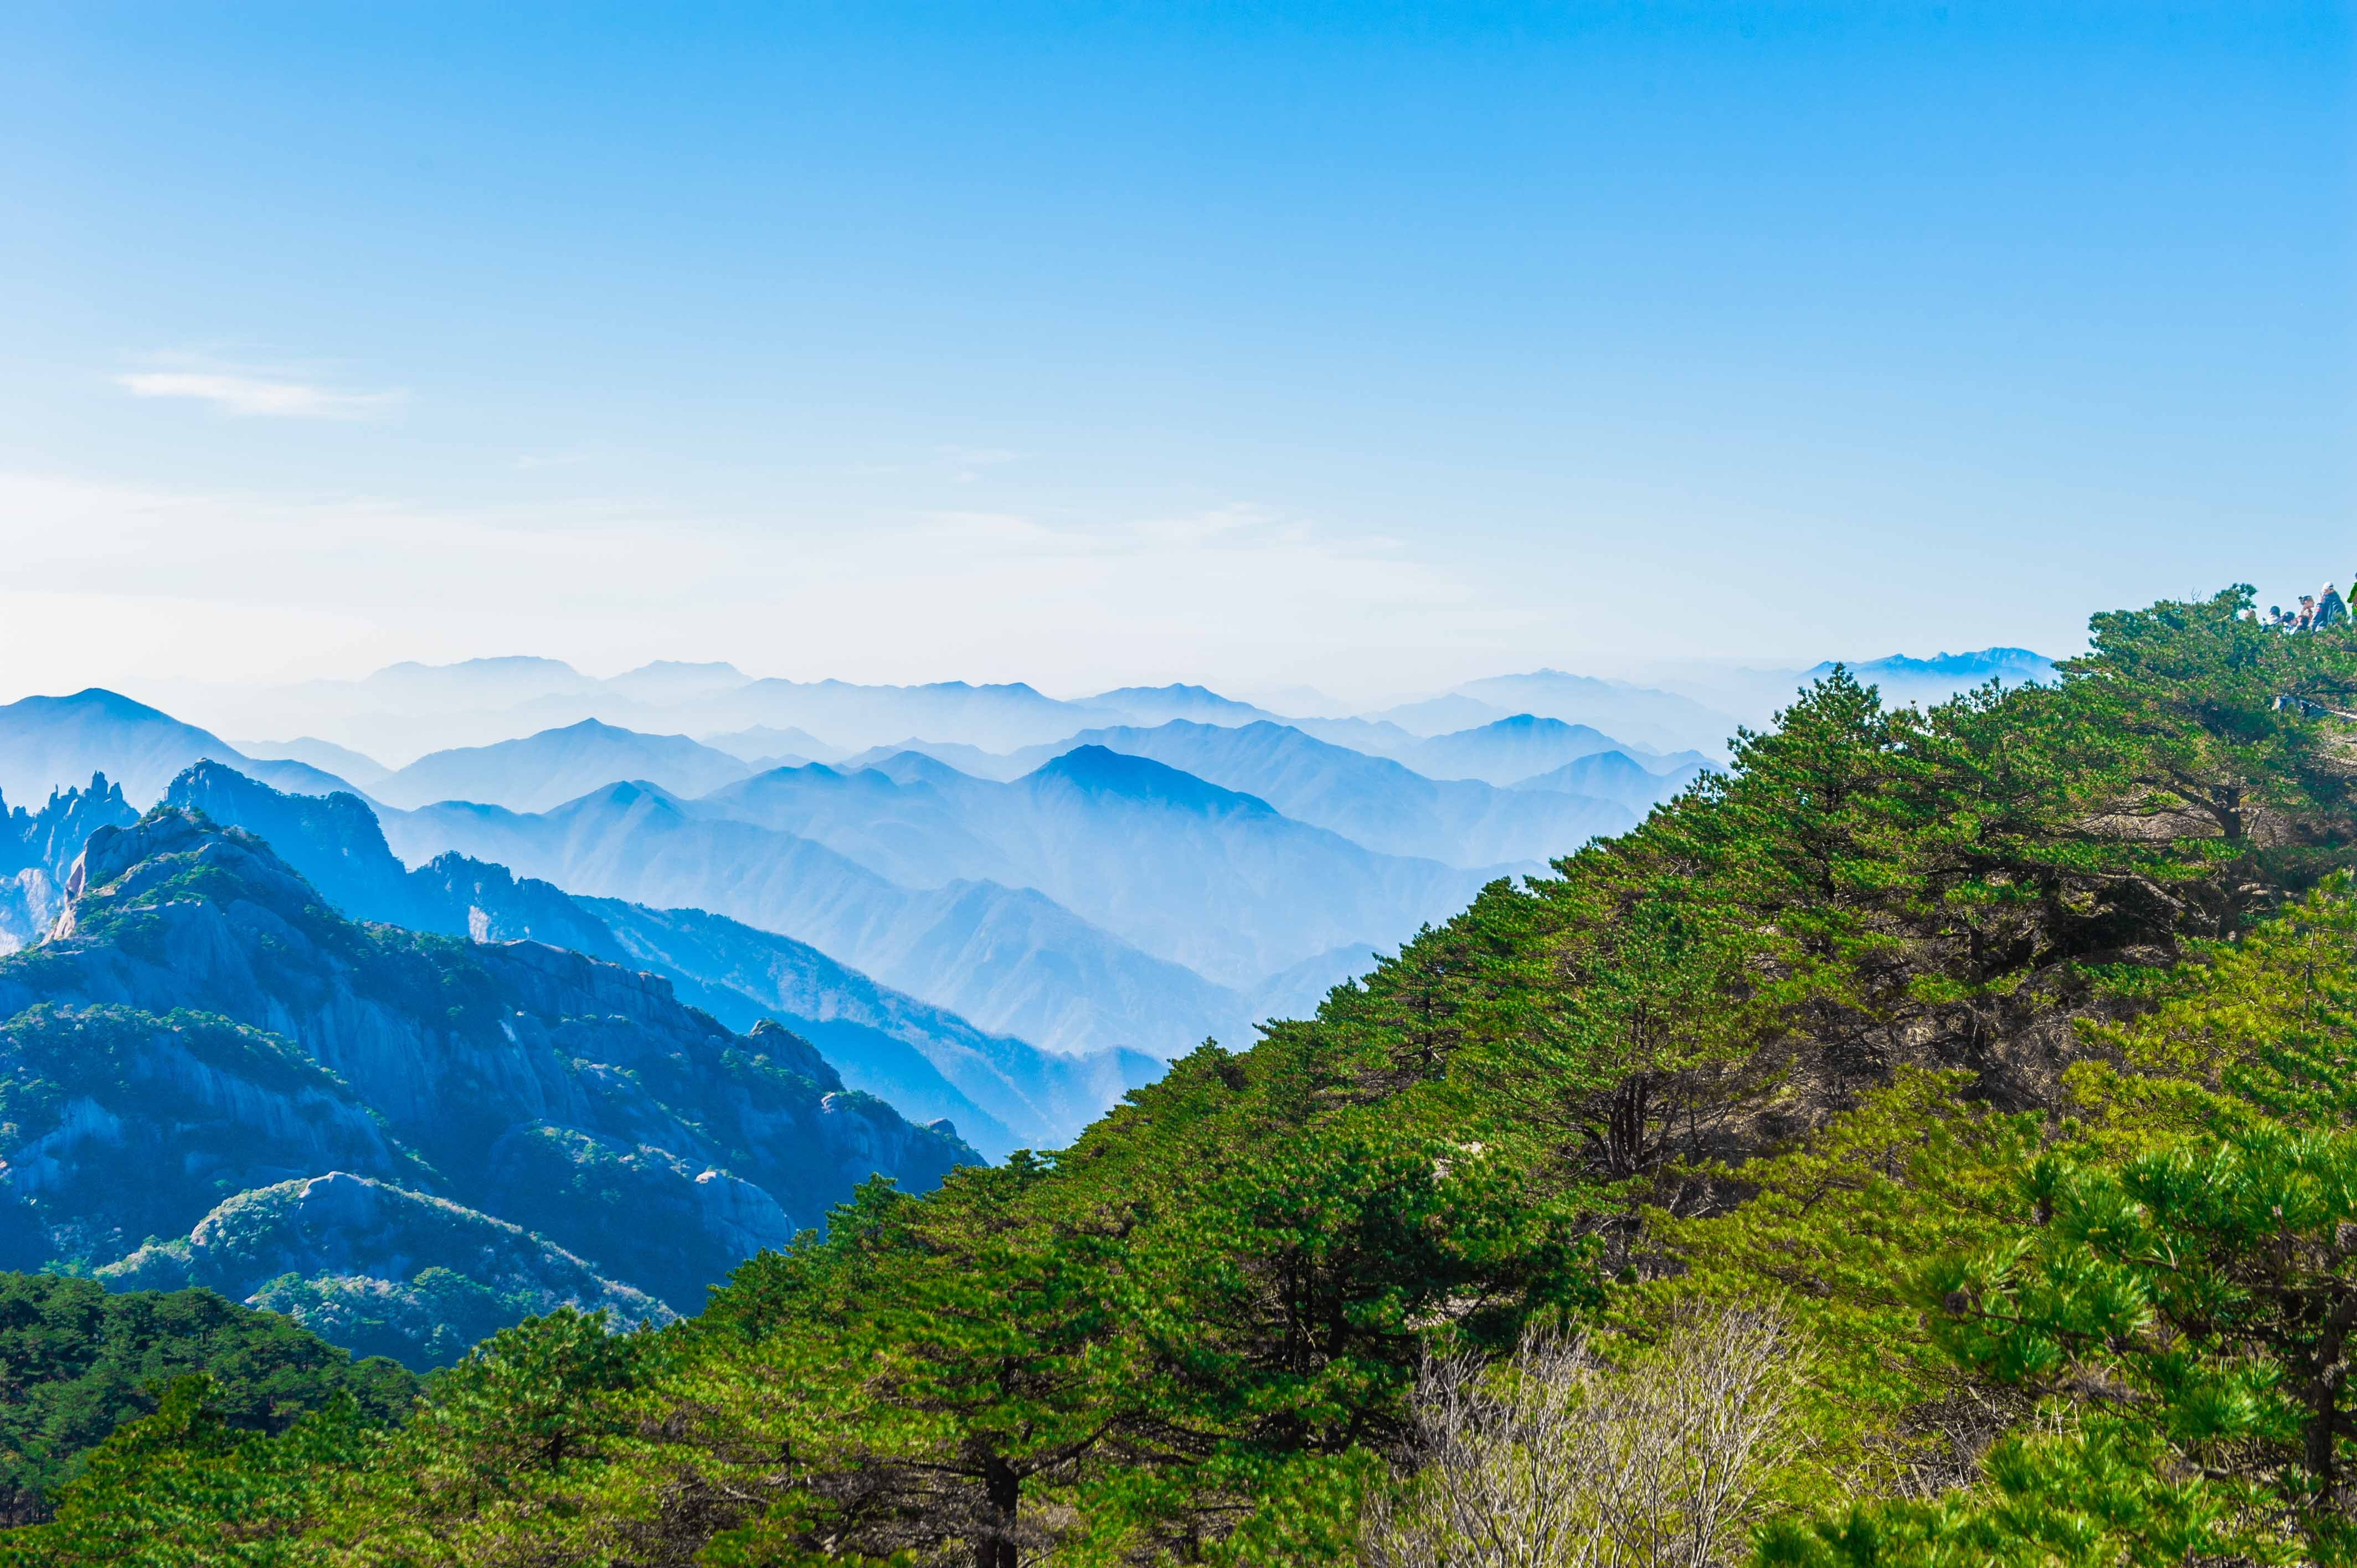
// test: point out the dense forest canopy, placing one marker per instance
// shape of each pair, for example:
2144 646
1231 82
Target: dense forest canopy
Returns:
1928 1142
76 1361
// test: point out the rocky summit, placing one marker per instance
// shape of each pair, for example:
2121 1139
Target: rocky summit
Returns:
407 1140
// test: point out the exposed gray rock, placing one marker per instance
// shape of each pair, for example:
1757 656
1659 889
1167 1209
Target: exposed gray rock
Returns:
204 1030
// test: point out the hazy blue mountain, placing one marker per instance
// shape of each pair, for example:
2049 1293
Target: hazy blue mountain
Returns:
1661 722
971 761
905 827
404 712
471 683
1220 881
1370 800
1002 1092
1439 715
203 1026
556 765
996 717
1212 879
762 741
1370 736
341 761
38 848
48 742
1149 705
670 681
1506 752
1941 676
1012 960
1615 775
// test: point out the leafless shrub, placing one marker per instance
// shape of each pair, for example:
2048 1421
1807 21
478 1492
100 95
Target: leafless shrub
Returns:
1553 1459
1939 1445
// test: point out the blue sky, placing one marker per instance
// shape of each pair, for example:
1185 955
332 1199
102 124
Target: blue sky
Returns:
1362 346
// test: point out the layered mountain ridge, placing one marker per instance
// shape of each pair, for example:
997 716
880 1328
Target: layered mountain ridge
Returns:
1002 1092
211 1077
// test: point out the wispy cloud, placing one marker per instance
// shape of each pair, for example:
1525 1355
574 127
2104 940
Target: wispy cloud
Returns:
243 392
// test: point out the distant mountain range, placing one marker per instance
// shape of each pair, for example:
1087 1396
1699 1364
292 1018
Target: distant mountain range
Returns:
1509 750
211 1078
1614 776
1941 676
993 854
51 743
1377 802
610 982
408 710
1002 1092
339 761
1012 960
1216 880
548 769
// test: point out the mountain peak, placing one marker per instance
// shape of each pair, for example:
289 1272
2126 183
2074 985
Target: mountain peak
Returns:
1536 725
497 665
1102 770
99 701
173 854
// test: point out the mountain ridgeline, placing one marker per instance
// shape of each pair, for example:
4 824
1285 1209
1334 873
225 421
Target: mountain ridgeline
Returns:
1001 1092
1927 1141
406 1140
1258 867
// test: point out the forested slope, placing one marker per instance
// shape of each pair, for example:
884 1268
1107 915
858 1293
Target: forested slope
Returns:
1928 1141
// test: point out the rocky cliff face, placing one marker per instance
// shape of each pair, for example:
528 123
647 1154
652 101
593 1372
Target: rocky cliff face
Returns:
37 847
203 1040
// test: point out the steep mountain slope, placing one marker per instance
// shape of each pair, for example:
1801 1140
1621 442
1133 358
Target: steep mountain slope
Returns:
2013 1315
1376 802
38 848
206 1051
1615 775
50 743
556 766
1216 880
1002 1094
1014 962
1511 749
78 1360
